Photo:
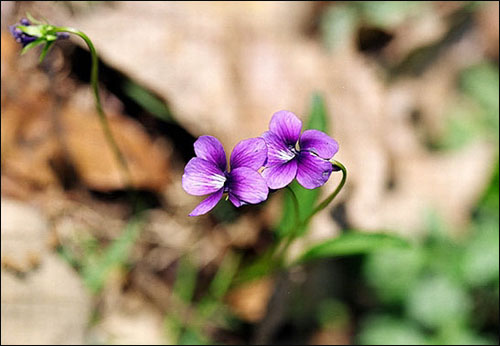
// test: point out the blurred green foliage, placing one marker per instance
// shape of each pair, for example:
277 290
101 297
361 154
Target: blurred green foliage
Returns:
437 288
341 20
186 322
96 263
475 115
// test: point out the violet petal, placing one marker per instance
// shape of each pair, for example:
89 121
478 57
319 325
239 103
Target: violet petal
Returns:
319 143
208 203
280 175
277 150
312 170
237 203
202 177
247 185
287 126
251 153
210 149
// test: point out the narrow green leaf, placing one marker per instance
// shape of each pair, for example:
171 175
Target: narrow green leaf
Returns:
32 19
115 255
222 280
33 44
45 50
261 267
355 243
307 198
148 101
32 30
212 302
185 281
317 114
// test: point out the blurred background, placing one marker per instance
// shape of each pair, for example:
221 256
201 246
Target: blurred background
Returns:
408 89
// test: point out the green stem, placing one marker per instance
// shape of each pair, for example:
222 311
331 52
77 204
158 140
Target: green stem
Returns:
281 251
295 202
320 207
94 81
330 198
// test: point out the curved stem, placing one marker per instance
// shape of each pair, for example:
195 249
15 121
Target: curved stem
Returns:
94 81
293 231
330 198
320 207
295 202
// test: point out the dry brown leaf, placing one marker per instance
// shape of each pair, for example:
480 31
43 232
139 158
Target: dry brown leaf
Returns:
94 159
249 301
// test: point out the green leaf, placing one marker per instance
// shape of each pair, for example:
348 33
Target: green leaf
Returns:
192 336
317 114
481 82
33 20
338 25
387 330
438 302
185 282
307 198
353 243
95 274
211 304
32 30
262 266
45 50
149 101
224 276
480 258
31 45
393 271
388 14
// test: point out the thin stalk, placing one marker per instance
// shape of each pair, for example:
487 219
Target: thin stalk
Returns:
330 198
94 81
296 224
320 207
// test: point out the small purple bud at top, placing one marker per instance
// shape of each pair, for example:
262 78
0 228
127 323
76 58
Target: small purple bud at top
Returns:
19 35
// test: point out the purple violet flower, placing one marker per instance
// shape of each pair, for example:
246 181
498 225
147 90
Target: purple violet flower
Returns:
20 36
207 173
309 163
24 38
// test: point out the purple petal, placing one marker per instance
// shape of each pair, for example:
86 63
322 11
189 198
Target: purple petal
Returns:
280 175
251 153
247 185
237 203
287 126
208 203
202 177
318 142
278 151
210 149
312 170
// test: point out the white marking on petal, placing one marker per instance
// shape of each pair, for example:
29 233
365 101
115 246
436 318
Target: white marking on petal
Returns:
218 179
285 155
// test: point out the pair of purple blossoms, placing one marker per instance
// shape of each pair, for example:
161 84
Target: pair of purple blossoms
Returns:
276 150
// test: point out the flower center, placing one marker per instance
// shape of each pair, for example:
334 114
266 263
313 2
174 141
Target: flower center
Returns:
287 155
